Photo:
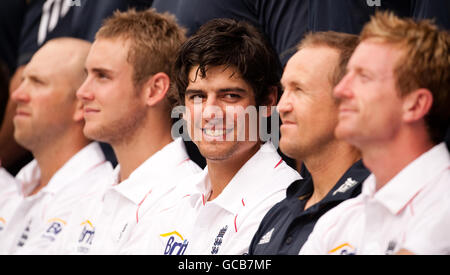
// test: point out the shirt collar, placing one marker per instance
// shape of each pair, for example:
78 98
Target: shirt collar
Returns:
86 159
252 182
344 188
401 189
152 172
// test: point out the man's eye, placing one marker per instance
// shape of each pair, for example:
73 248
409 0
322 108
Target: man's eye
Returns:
196 97
103 76
364 77
37 81
232 96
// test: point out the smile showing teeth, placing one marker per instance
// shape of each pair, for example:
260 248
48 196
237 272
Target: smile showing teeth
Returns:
216 133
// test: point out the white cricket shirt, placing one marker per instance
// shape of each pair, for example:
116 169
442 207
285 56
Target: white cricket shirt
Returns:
7 181
113 217
225 225
39 220
412 211
9 198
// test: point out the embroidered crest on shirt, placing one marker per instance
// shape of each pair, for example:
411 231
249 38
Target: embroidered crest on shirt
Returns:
266 238
218 240
24 237
349 183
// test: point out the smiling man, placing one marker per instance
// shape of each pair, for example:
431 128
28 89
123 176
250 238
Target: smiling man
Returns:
394 107
67 166
223 71
127 104
309 114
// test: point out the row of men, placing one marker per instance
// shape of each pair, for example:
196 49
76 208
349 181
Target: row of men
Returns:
377 101
25 25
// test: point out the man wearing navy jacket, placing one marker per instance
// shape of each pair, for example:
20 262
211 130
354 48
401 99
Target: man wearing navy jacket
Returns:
309 114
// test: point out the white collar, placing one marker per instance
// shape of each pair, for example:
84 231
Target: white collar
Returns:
7 180
151 172
86 159
401 189
251 183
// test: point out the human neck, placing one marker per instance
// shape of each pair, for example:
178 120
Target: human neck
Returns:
222 172
144 143
327 167
53 156
387 158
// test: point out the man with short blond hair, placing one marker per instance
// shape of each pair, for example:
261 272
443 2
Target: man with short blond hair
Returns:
394 107
127 104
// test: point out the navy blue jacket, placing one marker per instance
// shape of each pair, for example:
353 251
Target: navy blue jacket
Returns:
286 227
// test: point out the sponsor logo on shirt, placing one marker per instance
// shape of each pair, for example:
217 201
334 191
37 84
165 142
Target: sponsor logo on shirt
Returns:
349 183
86 237
74 3
343 249
52 12
218 240
55 227
266 238
372 3
176 244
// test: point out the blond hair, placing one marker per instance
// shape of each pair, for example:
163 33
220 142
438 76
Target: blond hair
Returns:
154 41
425 62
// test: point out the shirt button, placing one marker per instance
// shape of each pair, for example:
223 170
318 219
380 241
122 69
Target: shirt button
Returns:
289 240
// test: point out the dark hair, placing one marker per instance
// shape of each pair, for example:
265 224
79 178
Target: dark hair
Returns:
230 43
4 89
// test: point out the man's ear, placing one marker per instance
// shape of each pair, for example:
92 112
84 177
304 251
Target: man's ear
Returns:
78 115
417 104
156 88
271 100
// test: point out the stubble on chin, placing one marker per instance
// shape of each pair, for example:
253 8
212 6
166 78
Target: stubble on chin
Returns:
120 131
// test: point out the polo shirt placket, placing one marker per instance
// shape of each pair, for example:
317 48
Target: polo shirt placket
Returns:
410 212
225 225
115 215
287 225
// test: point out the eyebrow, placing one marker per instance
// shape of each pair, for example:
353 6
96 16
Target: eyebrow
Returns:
224 90
232 89
98 70
360 70
296 82
36 79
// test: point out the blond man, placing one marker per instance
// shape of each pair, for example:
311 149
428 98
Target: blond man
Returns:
394 107
127 104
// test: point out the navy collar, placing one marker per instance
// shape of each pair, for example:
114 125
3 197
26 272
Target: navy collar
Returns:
345 188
